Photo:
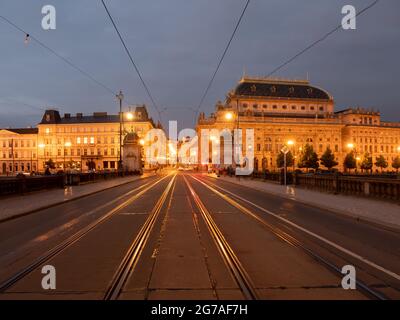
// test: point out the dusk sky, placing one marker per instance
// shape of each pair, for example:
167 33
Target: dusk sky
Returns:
176 45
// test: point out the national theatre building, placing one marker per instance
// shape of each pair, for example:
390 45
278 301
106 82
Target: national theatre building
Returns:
282 111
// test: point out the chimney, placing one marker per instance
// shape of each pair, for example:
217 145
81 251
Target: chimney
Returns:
67 115
79 115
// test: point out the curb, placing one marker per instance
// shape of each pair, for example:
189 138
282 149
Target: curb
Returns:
383 225
26 213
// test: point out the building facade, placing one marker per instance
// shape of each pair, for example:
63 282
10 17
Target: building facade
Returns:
294 111
18 150
79 141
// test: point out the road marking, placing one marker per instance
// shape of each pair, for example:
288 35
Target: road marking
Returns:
338 247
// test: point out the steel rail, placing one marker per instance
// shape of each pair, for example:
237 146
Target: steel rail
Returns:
75 237
233 263
134 252
288 238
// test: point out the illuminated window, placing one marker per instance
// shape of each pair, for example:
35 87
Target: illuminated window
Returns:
78 140
91 140
85 140
47 130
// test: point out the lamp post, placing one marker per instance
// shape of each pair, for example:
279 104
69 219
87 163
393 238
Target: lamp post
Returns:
66 145
285 150
352 148
41 146
120 97
291 144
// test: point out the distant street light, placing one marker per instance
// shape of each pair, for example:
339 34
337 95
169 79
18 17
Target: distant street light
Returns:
228 116
285 150
129 116
291 143
66 145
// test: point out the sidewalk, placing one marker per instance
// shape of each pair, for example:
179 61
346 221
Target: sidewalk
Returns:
378 212
19 205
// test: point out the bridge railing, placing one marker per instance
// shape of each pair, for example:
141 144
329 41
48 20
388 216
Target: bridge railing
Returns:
25 184
387 188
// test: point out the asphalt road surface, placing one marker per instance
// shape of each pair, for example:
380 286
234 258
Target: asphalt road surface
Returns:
191 236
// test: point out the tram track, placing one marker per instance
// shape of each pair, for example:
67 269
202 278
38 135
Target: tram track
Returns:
288 238
73 239
230 258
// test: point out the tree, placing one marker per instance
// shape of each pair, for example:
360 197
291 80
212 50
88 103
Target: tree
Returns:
350 161
366 163
381 162
280 160
328 159
50 164
308 158
396 163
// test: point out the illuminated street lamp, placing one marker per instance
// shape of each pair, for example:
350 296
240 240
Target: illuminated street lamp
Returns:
350 146
285 151
229 116
66 145
41 146
129 116
291 143
141 141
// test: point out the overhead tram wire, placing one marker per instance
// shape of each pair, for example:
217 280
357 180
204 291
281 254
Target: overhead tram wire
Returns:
133 62
222 58
319 40
71 64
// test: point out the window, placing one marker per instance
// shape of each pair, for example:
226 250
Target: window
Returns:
85 140
105 151
293 107
255 106
274 107
85 152
311 108
303 108
47 130
112 140
78 140
91 140
321 108
244 105
112 151
284 107
264 106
